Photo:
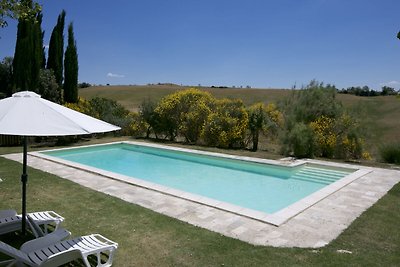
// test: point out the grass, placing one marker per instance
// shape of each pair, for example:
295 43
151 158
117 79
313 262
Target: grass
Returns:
380 113
147 238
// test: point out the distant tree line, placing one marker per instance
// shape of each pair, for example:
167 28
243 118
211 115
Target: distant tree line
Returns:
27 70
366 91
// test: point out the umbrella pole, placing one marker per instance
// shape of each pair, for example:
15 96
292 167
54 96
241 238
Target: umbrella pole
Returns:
24 180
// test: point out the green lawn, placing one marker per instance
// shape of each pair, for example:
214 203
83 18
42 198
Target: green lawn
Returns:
149 239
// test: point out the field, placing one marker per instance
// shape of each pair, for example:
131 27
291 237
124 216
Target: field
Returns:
380 114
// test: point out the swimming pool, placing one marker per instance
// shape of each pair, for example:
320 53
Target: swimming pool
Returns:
252 187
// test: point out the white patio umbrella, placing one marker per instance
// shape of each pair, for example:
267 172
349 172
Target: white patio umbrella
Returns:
27 114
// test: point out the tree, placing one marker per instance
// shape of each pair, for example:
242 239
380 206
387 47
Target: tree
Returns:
28 56
386 90
398 35
48 87
263 119
6 76
56 49
71 69
147 114
15 9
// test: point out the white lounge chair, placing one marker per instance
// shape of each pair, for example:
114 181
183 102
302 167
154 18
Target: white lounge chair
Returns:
50 251
10 221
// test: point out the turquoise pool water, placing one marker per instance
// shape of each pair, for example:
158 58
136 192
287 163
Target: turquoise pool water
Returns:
262 187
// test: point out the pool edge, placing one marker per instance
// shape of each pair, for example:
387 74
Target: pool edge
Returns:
276 219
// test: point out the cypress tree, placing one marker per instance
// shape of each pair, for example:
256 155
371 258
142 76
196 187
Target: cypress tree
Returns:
71 69
28 56
21 63
37 52
56 49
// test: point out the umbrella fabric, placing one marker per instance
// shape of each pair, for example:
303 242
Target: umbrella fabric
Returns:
27 114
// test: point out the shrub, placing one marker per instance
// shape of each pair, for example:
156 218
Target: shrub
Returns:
110 111
226 125
138 127
338 137
334 132
300 141
82 106
193 120
350 142
48 87
325 136
182 113
390 153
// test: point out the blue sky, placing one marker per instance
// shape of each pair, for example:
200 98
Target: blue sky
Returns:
261 43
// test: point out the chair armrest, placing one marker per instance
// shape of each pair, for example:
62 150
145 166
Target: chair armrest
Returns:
45 241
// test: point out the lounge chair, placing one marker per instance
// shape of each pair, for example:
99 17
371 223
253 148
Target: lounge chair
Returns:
10 221
50 251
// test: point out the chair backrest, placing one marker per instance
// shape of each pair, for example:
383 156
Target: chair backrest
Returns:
10 224
7 213
16 254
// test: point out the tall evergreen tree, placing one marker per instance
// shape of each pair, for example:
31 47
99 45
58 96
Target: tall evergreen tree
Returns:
6 76
56 49
28 56
37 50
71 69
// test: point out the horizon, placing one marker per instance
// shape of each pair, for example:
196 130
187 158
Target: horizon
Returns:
262 44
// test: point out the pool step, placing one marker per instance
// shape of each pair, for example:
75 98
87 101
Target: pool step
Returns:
316 175
331 172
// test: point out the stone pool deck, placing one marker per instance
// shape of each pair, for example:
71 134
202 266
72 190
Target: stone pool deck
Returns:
314 227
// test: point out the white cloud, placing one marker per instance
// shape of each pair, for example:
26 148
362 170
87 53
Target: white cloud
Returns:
113 75
394 84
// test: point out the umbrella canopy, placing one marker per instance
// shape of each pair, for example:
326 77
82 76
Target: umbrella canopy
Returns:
27 114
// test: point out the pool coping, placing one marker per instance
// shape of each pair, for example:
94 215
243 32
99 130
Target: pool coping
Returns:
278 218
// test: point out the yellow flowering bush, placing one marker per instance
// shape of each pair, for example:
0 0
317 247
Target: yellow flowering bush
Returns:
338 137
137 126
226 126
82 106
325 135
183 113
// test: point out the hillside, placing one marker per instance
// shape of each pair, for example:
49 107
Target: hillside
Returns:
381 114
